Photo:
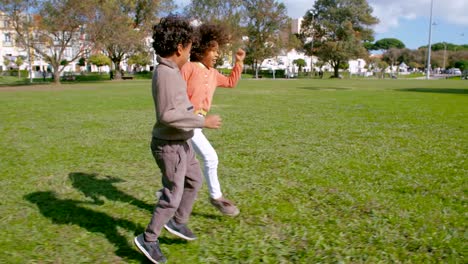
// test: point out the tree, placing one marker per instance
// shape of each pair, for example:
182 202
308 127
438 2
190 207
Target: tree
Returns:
99 60
388 43
81 62
7 60
335 30
264 20
415 65
462 65
300 63
139 59
18 62
382 66
391 57
52 31
120 27
225 12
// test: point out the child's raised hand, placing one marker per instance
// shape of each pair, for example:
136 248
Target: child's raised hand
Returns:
240 55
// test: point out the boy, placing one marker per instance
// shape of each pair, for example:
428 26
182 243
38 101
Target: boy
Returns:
181 173
202 79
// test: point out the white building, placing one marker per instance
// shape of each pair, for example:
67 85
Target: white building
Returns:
8 46
358 67
11 49
296 25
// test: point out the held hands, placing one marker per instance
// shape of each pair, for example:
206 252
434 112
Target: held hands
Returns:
240 56
213 121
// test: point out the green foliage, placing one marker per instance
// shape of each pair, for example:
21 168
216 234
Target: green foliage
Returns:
19 61
388 43
226 12
264 21
446 46
300 63
99 60
120 27
82 62
323 171
338 29
140 59
462 65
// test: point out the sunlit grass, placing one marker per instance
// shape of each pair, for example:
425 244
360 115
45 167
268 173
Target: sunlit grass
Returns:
324 171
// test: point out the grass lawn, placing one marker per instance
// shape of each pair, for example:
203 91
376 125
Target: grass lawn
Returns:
324 171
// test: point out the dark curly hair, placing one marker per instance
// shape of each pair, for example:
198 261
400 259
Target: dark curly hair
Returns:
170 32
207 35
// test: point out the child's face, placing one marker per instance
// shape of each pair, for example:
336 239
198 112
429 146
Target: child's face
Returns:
210 56
186 52
183 54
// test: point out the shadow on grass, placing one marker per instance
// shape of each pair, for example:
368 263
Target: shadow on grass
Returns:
210 216
324 88
93 187
66 212
435 90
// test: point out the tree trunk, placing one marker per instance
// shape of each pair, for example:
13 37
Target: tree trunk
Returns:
56 77
336 72
118 72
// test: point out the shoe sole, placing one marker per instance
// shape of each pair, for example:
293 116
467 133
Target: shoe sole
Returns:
236 213
172 231
142 250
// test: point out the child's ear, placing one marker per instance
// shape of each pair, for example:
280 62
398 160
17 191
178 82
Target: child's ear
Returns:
180 49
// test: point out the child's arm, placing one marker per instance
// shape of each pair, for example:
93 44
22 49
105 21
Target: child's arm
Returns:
231 81
174 107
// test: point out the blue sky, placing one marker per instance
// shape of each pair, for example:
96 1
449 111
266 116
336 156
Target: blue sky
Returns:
406 20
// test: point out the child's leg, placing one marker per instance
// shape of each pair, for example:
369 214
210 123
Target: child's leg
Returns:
170 158
210 162
193 182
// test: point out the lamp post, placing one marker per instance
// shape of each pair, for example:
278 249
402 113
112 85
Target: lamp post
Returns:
28 43
445 55
428 64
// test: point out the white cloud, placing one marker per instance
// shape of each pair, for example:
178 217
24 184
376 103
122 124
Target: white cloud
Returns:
444 11
297 8
392 12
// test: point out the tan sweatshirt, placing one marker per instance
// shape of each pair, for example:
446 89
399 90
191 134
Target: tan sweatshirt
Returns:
175 118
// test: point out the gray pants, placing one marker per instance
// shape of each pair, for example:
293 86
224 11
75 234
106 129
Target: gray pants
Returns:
181 179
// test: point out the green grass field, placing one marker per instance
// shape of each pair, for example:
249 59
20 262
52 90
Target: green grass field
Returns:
324 171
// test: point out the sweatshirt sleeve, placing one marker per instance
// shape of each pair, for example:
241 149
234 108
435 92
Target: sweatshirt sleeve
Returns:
231 81
175 109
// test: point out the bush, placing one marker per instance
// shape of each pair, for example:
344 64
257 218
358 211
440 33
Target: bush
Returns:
23 73
143 75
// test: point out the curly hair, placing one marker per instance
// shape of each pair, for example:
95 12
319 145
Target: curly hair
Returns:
170 32
207 36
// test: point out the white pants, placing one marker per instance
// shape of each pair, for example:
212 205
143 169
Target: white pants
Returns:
210 162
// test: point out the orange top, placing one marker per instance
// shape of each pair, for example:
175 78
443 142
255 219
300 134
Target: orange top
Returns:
202 83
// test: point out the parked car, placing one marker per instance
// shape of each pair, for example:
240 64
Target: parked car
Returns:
454 71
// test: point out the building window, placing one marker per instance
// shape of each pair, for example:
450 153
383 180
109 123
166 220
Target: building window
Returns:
7 37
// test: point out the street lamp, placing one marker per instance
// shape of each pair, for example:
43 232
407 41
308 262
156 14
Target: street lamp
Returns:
428 64
445 55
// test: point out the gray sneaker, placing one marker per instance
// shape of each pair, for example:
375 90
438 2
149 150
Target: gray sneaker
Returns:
151 249
225 206
180 230
158 194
